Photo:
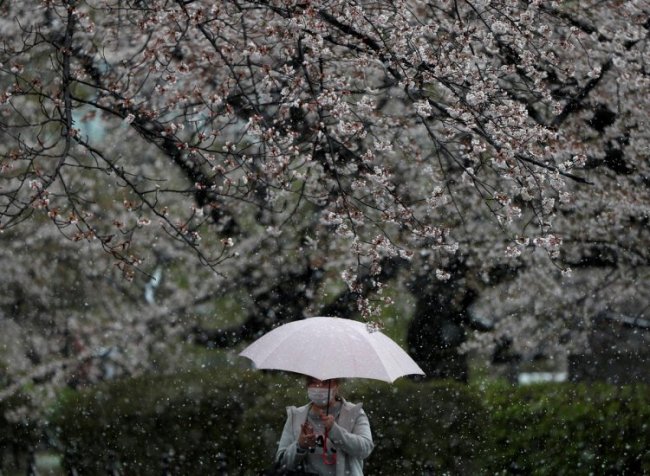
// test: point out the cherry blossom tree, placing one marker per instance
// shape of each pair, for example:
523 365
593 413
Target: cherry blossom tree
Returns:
304 157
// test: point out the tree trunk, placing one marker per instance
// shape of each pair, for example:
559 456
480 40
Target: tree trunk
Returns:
438 327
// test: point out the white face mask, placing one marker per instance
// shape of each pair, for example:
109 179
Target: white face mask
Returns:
318 395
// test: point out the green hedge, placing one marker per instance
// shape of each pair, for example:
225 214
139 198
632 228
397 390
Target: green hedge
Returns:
569 429
242 417
413 424
543 429
417 424
191 418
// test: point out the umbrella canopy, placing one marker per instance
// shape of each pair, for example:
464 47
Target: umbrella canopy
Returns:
331 347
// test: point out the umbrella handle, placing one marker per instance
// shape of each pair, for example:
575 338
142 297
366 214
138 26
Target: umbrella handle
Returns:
327 458
329 389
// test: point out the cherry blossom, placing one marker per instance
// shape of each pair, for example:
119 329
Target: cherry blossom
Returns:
239 145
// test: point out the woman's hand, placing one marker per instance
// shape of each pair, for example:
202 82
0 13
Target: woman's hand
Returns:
307 438
328 420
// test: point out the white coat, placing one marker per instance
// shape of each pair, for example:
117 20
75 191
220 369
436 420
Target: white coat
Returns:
350 435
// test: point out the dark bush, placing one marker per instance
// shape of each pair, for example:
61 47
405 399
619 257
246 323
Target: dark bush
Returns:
419 424
413 424
20 432
569 429
188 420
451 428
263 422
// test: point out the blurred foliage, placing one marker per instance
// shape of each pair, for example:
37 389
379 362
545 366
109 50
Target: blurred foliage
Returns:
18 433
569 429
263 422
188 419
413 424
451 428
423 424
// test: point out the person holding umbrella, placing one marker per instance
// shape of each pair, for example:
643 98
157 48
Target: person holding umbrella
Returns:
327 437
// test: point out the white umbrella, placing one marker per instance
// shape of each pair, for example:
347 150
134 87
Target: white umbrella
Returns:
331 347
